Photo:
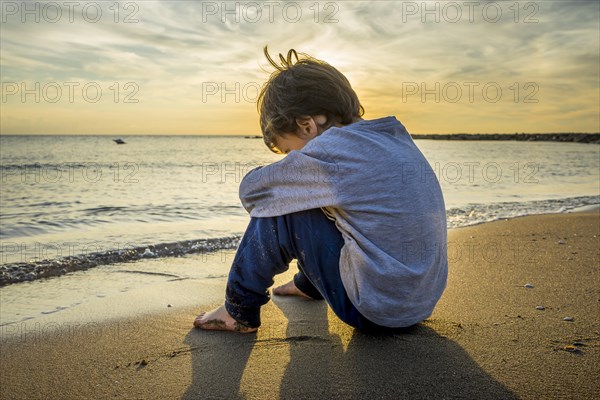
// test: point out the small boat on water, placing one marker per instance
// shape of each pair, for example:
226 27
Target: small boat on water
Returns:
119 141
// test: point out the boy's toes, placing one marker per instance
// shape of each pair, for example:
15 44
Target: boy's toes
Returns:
219 319
289 289
199 320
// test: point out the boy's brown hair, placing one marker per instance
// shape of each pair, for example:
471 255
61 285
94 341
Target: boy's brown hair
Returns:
306 87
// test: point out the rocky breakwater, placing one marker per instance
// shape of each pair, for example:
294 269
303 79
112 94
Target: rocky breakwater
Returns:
593 138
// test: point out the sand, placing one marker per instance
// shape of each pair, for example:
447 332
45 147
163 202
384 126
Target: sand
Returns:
486 339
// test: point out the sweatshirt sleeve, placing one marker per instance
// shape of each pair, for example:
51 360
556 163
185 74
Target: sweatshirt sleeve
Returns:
298 182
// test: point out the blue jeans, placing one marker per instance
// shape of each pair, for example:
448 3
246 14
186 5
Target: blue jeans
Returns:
266 250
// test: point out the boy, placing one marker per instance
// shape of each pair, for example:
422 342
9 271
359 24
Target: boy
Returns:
354 201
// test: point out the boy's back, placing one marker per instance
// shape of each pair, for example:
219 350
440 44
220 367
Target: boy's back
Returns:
387 204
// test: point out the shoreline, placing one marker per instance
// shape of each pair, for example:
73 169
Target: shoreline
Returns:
18 272
27 272
485 339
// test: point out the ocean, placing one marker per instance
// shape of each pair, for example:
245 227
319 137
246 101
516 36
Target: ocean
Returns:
72 196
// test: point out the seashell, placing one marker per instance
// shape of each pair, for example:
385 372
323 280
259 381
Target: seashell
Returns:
541 308
569 319
528 286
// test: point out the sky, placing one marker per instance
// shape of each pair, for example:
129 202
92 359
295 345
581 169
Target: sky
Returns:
195 67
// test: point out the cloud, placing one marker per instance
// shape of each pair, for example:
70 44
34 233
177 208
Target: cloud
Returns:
176 48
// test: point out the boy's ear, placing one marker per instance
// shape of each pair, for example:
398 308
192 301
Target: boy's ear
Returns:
307 126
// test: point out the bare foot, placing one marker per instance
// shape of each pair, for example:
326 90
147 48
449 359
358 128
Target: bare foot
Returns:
220 320
290 289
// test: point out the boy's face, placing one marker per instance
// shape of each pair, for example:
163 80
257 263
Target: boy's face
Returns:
308 129
291 141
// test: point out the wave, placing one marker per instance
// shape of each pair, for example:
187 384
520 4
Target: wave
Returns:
471 214
19 272
29 224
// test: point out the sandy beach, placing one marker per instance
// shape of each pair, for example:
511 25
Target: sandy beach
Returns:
499 332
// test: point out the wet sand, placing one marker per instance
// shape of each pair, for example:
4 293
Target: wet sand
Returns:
486 338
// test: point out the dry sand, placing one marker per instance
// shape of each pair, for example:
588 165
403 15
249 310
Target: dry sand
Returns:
485 340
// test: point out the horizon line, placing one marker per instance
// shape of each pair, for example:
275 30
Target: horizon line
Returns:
260 136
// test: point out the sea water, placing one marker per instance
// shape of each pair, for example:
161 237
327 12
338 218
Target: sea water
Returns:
71 195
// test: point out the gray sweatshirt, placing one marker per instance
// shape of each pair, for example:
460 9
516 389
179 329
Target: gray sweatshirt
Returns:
387 203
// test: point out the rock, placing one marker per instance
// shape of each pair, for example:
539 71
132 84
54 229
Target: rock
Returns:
528 286
30 276
569 319
541 308
148 253
169 305
561 242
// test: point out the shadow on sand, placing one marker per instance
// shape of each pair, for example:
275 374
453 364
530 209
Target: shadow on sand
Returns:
218 363
330 360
